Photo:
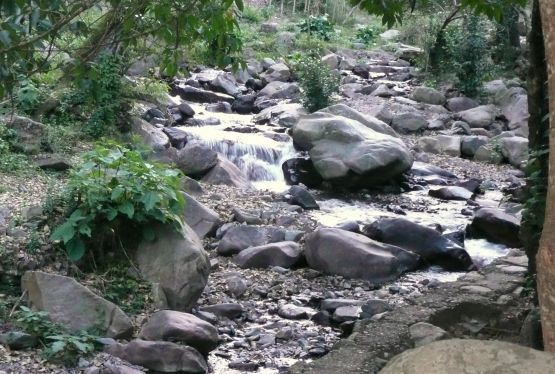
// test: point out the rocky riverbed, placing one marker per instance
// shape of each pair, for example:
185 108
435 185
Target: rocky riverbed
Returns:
298 302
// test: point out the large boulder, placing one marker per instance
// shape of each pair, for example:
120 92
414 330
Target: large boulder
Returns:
29 133
74 305
159 356
203 220
151 136
198 95
514 106
406 123
196 159
285 115
332 60
225 172
481 116
434 248
340 252
496 226
428 95
225 83
441 144
238 238
300 196
277 72
367 120
461 103
177 262
347 153
470 144
280 90
461 356
515 150
170 325
283 254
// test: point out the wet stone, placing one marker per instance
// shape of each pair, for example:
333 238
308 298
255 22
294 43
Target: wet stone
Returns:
290 311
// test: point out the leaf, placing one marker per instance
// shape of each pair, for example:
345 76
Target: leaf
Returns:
64 232
117 193
148 234
75 249
57 347
85 230
111 214
127 209
150 200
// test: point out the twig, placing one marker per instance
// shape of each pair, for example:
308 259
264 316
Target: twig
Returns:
17 304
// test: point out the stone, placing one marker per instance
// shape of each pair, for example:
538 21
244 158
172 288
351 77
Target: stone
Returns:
203 220
423 169
332 60
338 252
244 104
496 226
277 72
186 110
451 193
374 307
406 123
225 172
488 153
28 133
346 313
461 103
221 107
17 340
243 216
470 144
332 304
422 333
191 186
349 154
199 95
367 120
428 95
170 325
228 310
280 90
238 238
301 170
178 138
347 63
73 305
177 262
458 356
514 107
441 144
282 254
196 159
269 27
300 196
266 63
460 128
515 150
151 136
481 116
285 39
53 162
351 90
160 356
285 115
291 311
225 83
428 243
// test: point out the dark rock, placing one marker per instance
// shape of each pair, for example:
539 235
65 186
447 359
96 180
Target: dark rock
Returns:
191 186
321 318
451 193
244 104
496 226
221 107
373 307
472 185
225 83
196 159
283 254
238 238
426 242
186 110
199 95
249 218
301 170
178 138
458 104
243 366
228 310
17 340
203 220
175 326
160 356
300 196
351 255
55 163
351 226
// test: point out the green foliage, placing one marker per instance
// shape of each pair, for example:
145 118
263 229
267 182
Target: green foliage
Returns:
27 95
319 27
11 162
252 14
317 81
115 187
60 346
130 294
366 35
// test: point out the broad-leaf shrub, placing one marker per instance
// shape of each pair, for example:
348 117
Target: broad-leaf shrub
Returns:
115 187
318 82
320 27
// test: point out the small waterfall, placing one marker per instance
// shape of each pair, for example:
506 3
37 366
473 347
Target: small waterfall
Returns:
258 156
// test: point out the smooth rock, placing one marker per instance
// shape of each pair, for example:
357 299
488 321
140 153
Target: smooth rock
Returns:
451 193
282 254
422 333
496 226
300 196
203 220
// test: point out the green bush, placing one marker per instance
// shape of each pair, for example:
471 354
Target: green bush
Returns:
317 81
114 189
366 35
320 27
252 14
11 162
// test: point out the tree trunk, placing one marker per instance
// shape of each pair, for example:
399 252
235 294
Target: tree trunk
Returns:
546 254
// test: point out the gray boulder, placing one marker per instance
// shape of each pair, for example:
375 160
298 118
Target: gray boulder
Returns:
300 196
177 137
347 153
196 159
74 305
203 220
422 333
488 153
238 238
225 83
170 325
515 150
285 115
198 95
367 120
151 136
451 193
496 226
461 103
277 72
428 95
481 116
282 254
460 356
280 90
225 172
428 243
164 357
29 133
177 262
470 144
409 122
441 144
339 252
514 106
332 60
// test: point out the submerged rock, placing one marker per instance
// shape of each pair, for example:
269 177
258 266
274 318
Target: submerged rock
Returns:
496 226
